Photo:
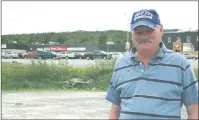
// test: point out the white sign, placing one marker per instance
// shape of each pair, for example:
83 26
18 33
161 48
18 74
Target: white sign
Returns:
110 43
46 48
3 45
188 47
39 48
76 49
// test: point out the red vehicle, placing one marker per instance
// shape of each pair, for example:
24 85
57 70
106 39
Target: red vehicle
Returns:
40 54
30 54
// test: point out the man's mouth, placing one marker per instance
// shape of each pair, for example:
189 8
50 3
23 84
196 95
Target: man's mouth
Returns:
145 41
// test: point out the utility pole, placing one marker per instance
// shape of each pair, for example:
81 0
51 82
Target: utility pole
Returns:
127 46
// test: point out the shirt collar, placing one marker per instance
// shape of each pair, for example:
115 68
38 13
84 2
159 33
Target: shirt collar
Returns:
160 53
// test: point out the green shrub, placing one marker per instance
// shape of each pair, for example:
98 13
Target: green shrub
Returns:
196 72
42 75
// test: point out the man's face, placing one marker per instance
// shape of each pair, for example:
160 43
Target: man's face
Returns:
145 38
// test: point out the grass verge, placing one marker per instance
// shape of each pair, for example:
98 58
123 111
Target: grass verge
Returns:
42 76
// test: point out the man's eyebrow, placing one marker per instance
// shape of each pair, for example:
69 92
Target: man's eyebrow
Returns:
143 29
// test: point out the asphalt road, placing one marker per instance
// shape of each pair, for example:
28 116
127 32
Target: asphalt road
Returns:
73 62
77 62
57 105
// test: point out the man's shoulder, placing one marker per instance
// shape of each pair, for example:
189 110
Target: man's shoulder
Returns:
123 60
176 57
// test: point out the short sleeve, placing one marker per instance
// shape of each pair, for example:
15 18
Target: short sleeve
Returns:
190 86
113 95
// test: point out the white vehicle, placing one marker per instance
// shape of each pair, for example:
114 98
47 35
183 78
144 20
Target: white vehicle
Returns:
11 55
116 55
63 55
71 55
2 54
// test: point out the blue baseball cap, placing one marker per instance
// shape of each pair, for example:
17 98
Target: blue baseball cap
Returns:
145 17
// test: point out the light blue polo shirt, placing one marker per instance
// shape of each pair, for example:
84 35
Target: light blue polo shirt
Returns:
156 91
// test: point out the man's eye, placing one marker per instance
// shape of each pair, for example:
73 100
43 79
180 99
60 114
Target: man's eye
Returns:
144 32
150 31
138 33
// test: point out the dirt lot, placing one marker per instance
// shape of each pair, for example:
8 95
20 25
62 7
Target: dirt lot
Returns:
56 105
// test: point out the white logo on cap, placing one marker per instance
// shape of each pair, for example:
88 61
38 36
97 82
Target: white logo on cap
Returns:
143 14
150 25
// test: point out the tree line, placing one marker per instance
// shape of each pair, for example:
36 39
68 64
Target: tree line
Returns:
77 37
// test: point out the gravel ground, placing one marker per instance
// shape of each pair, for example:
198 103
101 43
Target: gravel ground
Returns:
56 105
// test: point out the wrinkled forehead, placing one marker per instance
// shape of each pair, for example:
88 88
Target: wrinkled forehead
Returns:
143 28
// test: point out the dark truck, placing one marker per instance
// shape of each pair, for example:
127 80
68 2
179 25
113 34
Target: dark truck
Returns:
96 55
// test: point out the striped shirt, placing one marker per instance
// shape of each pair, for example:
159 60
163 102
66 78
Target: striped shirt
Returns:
154 91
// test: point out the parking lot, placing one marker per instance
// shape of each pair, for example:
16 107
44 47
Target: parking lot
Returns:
78 62
57 105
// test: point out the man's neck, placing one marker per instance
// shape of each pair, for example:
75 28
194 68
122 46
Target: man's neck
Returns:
146 56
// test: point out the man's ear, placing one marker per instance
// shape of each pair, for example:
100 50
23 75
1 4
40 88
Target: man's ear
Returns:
161 29
132 33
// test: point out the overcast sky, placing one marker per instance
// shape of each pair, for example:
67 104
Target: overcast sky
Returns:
61 16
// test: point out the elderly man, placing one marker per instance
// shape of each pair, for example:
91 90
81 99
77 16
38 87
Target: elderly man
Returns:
152 81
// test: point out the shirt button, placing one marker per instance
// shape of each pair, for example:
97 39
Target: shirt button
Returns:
142 70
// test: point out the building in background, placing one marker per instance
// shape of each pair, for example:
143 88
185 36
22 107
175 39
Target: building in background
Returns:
188 39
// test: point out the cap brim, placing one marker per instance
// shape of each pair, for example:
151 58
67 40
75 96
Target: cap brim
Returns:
144 23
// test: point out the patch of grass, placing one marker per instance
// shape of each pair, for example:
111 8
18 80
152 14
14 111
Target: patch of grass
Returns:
42 76
196 72
45 76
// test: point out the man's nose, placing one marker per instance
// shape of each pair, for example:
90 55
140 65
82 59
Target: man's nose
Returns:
144 36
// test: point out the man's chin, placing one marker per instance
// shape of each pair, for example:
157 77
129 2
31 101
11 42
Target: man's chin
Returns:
145 48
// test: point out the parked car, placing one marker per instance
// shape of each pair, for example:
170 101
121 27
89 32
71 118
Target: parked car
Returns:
20 55
40 54
97 54
62 55
10 55
45 54
190 56
79 56
116 55
2 54
71 55
31 54
88 55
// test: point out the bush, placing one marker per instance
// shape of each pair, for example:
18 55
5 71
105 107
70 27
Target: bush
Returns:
42 75
196 73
